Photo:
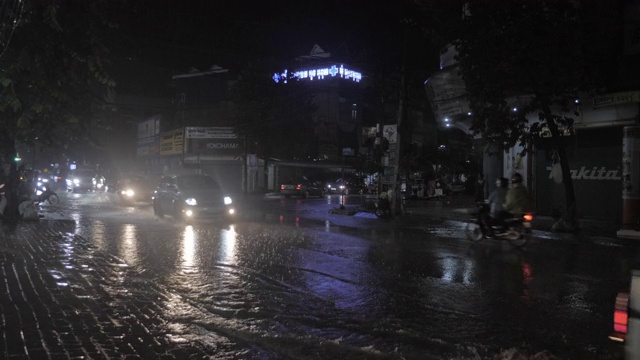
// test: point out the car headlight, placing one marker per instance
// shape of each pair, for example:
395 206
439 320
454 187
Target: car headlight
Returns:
341 186
128 192
227 200
191 202
76 181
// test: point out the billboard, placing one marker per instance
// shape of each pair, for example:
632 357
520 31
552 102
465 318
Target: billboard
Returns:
172 142
212 141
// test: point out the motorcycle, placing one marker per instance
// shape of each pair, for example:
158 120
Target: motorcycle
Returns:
44 195
515 229
383 208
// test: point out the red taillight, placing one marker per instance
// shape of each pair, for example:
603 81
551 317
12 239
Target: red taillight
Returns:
281 187
621 313
527 217
620 318
299 186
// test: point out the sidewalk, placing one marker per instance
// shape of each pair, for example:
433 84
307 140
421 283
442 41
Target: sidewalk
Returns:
458 207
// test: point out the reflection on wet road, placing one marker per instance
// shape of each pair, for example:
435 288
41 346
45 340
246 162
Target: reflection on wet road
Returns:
280 285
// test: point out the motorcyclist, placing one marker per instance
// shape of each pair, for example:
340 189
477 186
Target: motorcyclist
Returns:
518 200
495 202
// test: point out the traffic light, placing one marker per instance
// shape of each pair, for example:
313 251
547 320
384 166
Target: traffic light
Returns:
17 159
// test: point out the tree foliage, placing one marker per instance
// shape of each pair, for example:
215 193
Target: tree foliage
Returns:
537 57
53 80
531 55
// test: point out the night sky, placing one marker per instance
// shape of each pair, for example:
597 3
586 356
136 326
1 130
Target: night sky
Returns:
175 33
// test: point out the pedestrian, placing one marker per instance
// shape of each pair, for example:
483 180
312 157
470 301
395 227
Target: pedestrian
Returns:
480 185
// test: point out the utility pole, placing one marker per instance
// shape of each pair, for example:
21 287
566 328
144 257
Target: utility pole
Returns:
396 201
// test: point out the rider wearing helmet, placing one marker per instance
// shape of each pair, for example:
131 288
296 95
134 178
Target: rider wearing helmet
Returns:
495 201
518 200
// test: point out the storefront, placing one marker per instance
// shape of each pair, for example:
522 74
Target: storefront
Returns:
595 159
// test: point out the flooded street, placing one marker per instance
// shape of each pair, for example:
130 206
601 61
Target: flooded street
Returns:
289 280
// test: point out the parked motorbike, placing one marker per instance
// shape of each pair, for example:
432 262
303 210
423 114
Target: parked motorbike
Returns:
514 229
44 195
383 208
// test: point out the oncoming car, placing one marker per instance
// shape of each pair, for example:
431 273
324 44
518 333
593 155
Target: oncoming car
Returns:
135 189
191 196
354 185
84 180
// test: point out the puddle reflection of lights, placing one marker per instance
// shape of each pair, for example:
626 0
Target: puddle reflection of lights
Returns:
281 218
228 245
129 245
327 225
456 270
297 221
188 247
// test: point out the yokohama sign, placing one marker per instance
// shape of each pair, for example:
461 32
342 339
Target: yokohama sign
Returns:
594 173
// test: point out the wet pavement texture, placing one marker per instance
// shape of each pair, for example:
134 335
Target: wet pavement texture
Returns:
290 279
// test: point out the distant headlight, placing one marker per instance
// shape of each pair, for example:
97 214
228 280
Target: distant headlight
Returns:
227 200
191 202
76 181
128 192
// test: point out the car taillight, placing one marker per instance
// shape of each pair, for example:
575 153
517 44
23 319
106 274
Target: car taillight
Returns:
281 187
299 186
620 317
528 217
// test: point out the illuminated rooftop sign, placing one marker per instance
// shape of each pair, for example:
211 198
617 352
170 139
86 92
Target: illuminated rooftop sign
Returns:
319 74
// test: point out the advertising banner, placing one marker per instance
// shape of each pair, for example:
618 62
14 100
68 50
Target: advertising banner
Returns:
213 141
172 142
194 132
447 91
147 130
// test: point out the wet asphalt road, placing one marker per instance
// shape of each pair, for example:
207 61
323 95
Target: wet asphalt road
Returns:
288 280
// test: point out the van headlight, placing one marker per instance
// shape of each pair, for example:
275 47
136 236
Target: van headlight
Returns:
227 200
191 202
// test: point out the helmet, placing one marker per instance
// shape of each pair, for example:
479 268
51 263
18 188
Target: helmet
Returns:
516 178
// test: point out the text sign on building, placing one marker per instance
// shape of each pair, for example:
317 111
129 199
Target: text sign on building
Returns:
212 141
210 133
319 74
628 97
172 142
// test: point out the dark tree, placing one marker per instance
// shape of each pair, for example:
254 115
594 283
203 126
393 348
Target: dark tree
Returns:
53 83
539 55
